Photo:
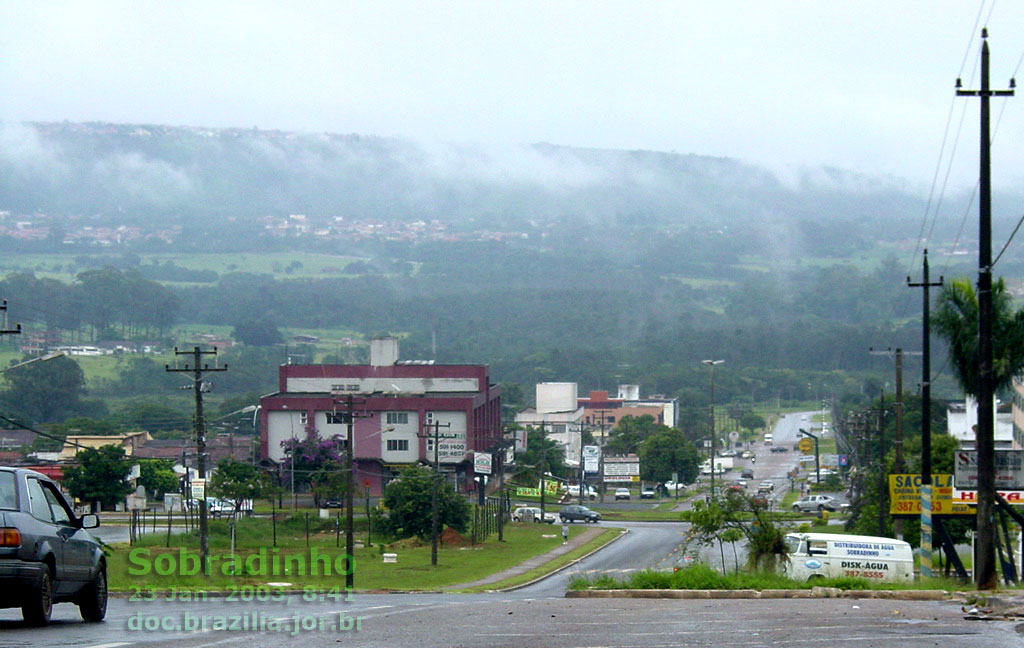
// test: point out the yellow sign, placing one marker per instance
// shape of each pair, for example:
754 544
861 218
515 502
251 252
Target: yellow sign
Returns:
805 445
905 496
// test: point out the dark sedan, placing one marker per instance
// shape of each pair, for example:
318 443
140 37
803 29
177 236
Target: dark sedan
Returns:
46 554
577 512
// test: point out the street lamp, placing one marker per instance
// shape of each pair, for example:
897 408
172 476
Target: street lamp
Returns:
711 364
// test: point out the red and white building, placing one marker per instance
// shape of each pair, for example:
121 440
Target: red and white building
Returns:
396 405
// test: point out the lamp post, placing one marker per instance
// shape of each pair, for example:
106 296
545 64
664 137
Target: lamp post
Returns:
712 364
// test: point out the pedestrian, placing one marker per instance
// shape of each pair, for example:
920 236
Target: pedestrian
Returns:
565 533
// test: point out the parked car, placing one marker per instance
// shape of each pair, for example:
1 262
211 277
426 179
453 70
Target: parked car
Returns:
746 454
780 449
728 453
622 493
760 500
46 554
816 503
332 502
766 486
747 473
524 513
647 493
674 487
576 512
589 493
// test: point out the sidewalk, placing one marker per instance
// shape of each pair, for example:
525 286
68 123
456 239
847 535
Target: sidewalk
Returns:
579 539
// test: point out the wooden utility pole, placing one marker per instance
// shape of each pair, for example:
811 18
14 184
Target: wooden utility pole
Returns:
436 437
985 561
926 417
350 416
197 387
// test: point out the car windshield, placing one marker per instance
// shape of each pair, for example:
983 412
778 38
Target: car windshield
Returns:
792 544
8 497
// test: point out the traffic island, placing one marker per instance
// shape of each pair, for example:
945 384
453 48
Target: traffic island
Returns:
815 592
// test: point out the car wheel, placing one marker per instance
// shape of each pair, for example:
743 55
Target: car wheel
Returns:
37 610
796 509
93 602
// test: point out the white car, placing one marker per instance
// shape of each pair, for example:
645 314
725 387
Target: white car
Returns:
524 513
673 487
589 493
621 493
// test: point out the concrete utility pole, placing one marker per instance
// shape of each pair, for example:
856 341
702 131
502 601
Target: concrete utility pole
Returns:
926 417
985 565
6 330
712 364
350 416
197 387
436 436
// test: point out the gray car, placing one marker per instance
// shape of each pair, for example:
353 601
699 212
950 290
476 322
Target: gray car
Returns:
46 554
577 512
816 503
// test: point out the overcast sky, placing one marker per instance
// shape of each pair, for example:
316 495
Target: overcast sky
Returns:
862 85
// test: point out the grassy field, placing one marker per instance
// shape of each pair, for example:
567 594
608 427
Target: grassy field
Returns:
154 566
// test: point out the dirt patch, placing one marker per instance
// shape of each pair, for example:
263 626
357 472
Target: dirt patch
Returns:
453 538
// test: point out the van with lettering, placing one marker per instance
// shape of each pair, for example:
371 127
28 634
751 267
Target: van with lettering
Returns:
831 555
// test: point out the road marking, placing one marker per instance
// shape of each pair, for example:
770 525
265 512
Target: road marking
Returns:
110 645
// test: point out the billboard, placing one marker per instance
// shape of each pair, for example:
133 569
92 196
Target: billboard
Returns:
622 469
591 458
905 496
1009 469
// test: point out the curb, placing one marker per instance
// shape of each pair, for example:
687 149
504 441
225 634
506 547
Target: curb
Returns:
813 593
567 565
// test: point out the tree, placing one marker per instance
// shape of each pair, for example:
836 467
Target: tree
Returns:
668 451
257 332
100 476
408 502
542 453
157 476
329 481
956 319
238 481
630 432
45 391
308 455
751 421
719 520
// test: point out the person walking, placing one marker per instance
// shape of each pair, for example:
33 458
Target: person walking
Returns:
565 534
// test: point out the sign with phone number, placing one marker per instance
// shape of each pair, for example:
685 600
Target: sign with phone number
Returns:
905 496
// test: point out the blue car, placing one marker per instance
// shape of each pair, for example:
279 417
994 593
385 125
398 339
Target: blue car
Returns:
46 554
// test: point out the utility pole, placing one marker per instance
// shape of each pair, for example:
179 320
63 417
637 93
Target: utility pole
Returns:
436 437
898 407
712 364
985 567
197 387
350 415
926 416
583 472
883 481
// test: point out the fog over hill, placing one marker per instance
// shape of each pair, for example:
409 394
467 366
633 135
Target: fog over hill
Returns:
159 172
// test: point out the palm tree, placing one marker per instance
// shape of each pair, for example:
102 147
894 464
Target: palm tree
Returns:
956 319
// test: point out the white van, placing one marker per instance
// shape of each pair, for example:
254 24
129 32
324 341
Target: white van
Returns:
820 555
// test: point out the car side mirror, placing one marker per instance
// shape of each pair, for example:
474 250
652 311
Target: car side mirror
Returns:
89 521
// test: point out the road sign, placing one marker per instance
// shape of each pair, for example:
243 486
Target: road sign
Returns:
805 445
1009 465
733 436
482 463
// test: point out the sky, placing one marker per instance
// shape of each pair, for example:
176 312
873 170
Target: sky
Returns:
866 86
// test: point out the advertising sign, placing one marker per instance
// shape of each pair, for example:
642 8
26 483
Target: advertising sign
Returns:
1009 469
806 445
905 496
591 458
482 463
198 489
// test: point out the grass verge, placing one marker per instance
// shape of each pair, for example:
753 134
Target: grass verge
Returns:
154 566
600 540
701 576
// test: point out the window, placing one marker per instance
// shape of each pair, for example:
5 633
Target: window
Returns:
8 496
303 417
336 418
37 503
398 445
610 419
56 503
396 418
